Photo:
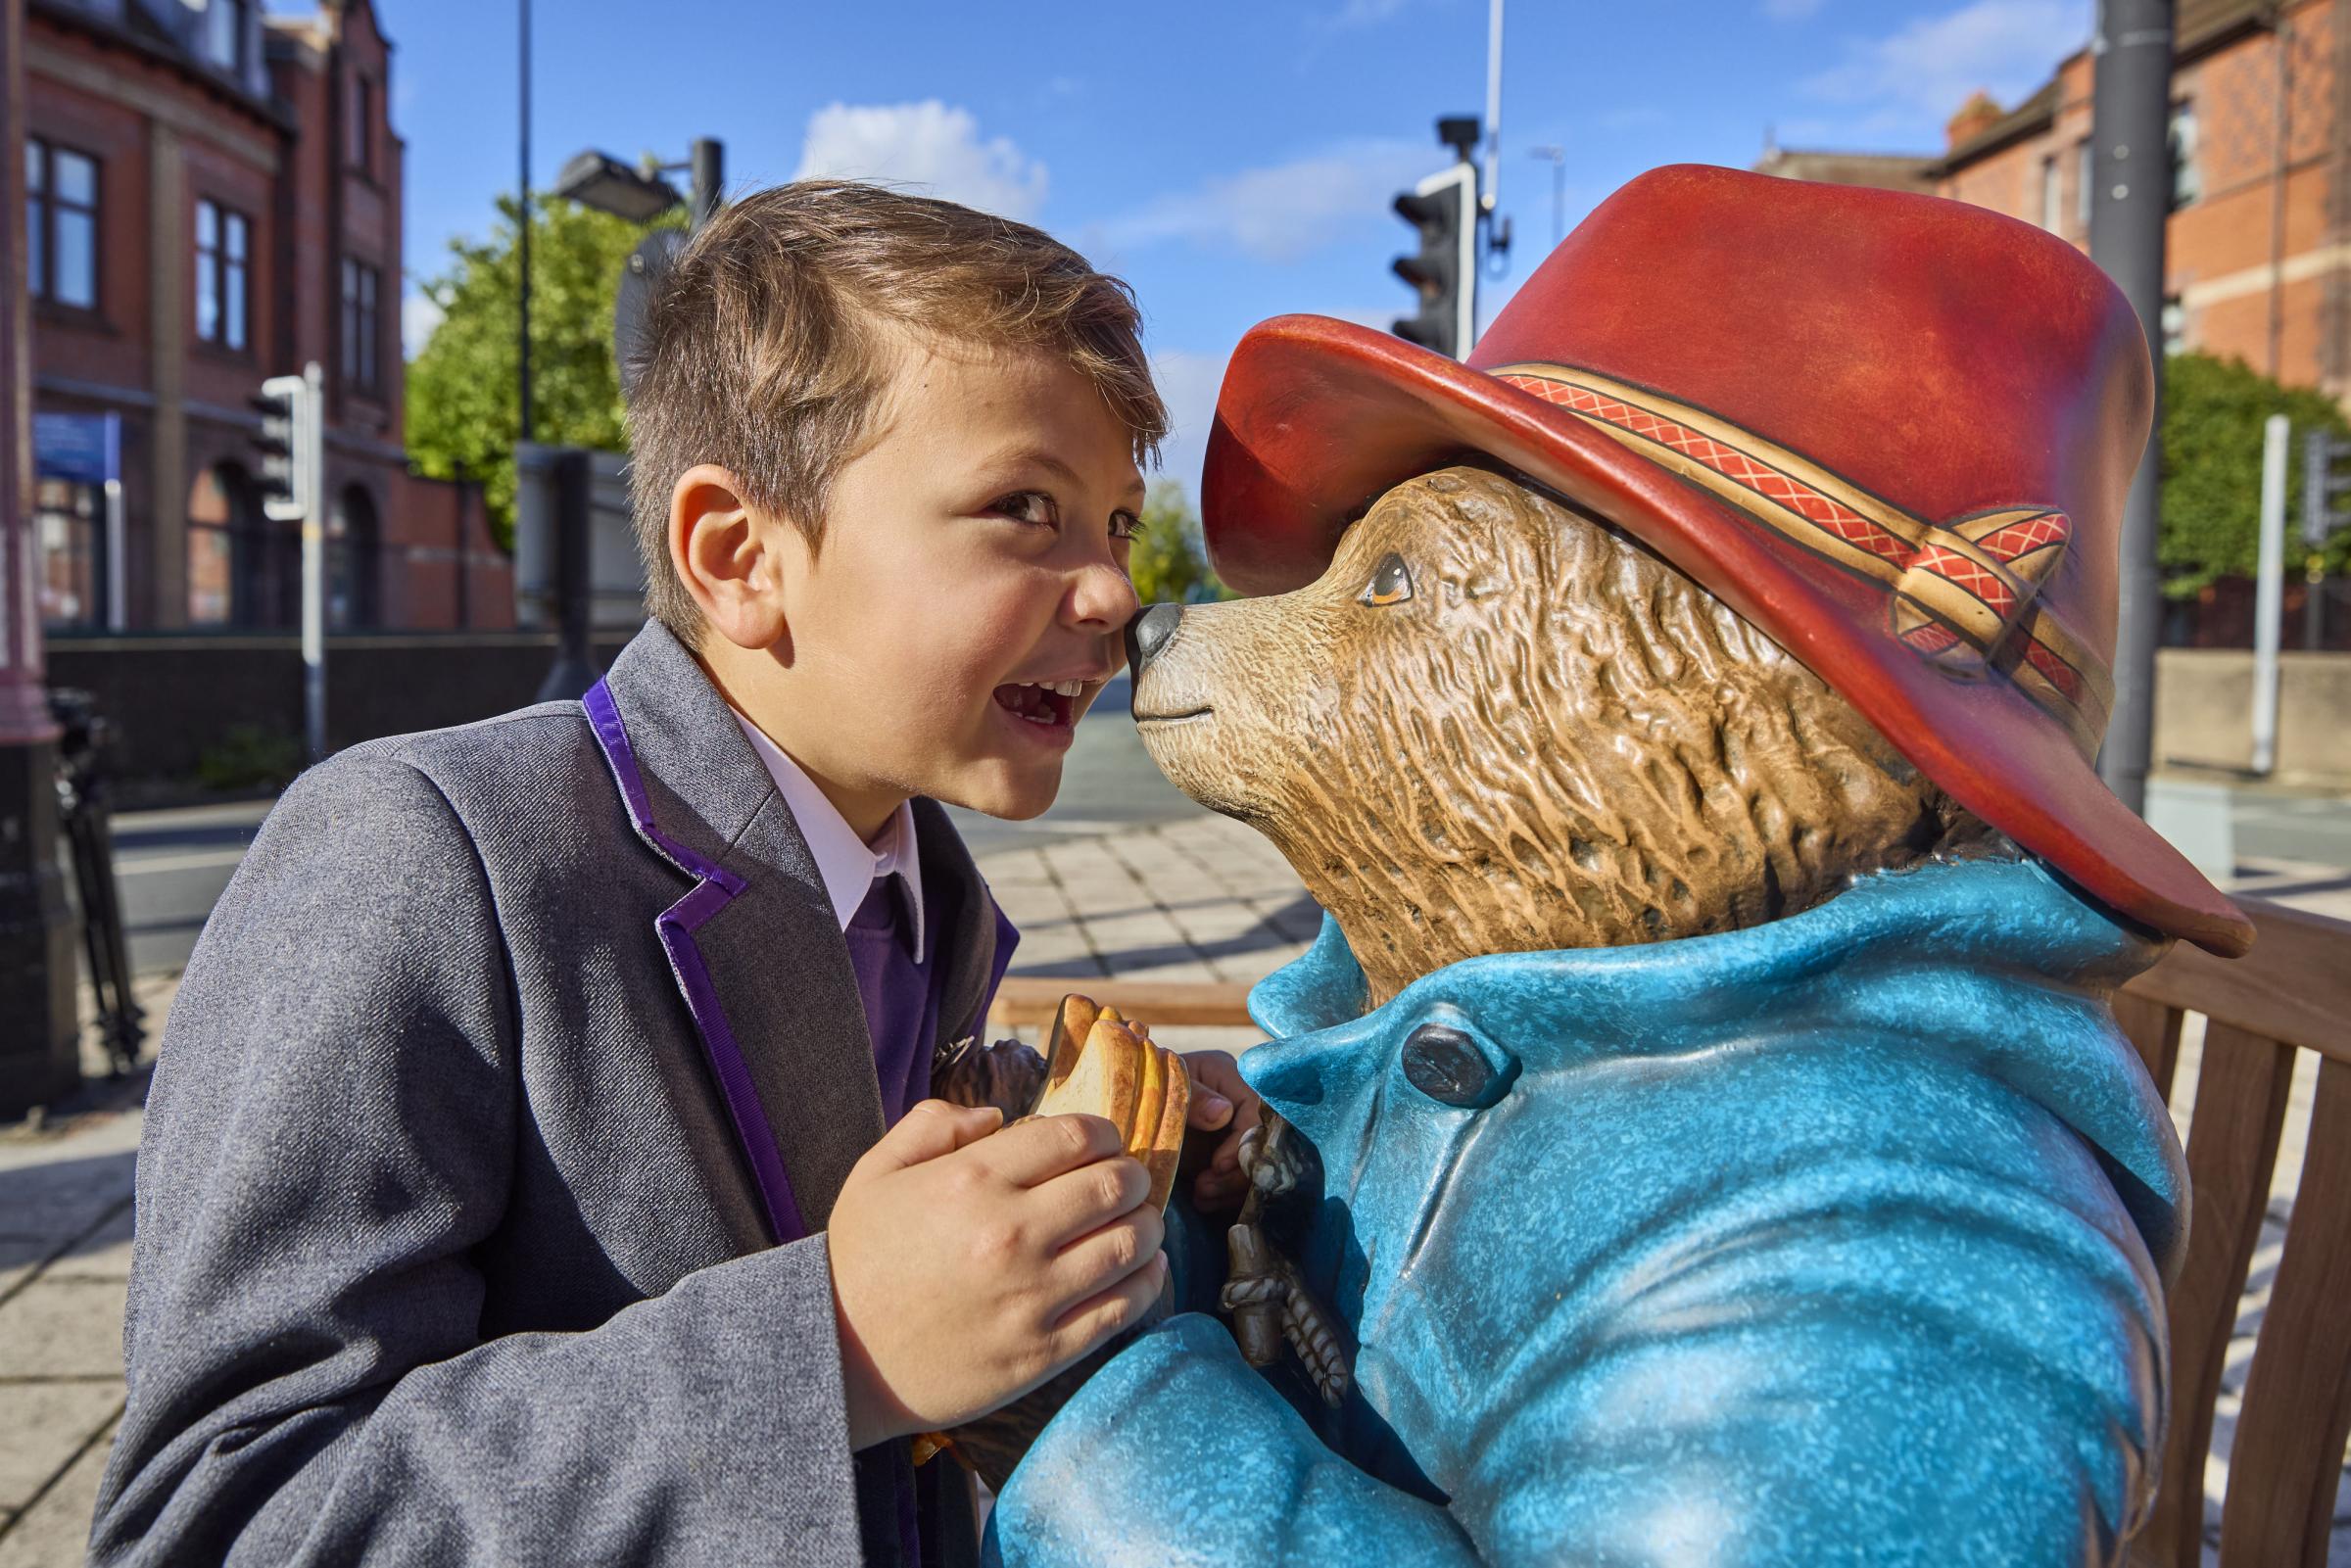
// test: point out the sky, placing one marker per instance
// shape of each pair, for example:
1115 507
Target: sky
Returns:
1232 161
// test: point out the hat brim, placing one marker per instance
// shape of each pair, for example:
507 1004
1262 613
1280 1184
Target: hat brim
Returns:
1318 417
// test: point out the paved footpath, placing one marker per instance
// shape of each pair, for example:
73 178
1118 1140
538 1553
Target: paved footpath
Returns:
1197 898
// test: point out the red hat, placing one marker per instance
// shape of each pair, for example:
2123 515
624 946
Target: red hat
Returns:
1893 432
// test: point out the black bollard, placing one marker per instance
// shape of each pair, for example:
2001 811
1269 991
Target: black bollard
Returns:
88 824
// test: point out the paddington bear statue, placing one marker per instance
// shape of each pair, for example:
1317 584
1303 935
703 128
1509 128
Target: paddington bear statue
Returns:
1711 1142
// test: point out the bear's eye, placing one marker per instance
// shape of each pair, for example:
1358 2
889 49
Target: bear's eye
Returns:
1449 1066
1392 584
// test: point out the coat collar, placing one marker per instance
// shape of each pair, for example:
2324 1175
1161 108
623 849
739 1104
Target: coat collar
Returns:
775 966
848 864
1999 963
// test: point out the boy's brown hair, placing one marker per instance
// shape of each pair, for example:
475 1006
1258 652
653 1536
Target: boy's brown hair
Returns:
757 353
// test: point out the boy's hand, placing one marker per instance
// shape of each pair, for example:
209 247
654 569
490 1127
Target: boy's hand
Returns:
968 1268
1220 1099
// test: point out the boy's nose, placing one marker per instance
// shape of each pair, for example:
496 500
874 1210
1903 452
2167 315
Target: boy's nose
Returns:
1149 631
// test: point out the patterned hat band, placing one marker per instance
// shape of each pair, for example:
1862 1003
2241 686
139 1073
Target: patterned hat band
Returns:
1962 596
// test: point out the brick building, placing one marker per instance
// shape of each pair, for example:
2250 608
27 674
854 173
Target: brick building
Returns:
213 197
2259 244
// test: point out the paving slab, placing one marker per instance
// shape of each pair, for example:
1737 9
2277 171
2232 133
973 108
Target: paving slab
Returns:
103 1253
56 1530
43 1428
62 1329
62 1200
20 1257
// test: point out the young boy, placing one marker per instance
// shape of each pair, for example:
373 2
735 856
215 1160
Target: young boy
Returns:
516 1186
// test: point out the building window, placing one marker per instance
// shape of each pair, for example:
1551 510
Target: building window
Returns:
213 529
224 251
351 546
61 226
2050 205
2188 177
2175 325
224 34
2085 174
68 532
362 324
358 137
243 568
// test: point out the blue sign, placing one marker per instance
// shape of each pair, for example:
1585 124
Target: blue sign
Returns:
86 448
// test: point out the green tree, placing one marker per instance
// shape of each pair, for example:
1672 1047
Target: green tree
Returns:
1168 562
2213 413
463 394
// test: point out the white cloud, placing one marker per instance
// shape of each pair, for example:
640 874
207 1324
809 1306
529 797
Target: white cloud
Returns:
1365 13
1285 210
927 145
418 315
1929 67
1790 10
1188 384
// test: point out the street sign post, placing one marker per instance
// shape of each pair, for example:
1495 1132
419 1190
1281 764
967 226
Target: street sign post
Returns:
2268 593
2324 515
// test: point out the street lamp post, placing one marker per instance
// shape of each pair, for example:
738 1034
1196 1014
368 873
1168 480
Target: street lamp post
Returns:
523 424
639 193
2130 114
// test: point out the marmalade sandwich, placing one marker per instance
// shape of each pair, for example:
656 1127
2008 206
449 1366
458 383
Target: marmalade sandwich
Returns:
1099 1064
1096 1062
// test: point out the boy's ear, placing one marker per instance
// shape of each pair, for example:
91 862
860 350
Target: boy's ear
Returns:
725 554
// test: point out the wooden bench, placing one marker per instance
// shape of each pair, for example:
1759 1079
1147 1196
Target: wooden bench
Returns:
2291 994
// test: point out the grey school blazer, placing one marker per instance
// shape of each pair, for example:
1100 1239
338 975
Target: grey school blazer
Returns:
494 1078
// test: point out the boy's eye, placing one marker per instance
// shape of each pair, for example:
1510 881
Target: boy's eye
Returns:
1126 525
1028 506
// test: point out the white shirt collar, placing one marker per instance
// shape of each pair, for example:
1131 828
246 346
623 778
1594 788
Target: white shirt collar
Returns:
847 864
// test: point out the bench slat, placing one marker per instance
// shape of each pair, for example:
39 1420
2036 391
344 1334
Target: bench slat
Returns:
1030 1000
2232 1145
2153 1028
2286 1461
2294 986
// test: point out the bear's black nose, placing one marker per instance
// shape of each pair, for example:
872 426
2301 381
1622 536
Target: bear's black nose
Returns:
1149 631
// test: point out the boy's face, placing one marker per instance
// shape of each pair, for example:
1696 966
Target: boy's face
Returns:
965 603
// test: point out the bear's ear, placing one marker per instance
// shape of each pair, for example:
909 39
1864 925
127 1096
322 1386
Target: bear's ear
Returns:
1391 581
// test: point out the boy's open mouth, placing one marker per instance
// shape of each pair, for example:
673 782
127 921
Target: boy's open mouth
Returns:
1053 704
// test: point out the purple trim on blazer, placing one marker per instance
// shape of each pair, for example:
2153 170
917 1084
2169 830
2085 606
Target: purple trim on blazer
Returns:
716 888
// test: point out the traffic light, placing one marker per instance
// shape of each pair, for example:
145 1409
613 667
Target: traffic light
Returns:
289 445
2323 487
1443 208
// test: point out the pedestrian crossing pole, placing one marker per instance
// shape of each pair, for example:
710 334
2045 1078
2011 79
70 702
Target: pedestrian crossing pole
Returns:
2131 105
293 485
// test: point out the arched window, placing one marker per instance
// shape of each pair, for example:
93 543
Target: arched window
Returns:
243 570
214 505
352 548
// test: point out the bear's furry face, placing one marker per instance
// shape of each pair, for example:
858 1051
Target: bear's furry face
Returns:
1498 725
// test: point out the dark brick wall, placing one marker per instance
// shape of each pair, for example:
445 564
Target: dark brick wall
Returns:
168 699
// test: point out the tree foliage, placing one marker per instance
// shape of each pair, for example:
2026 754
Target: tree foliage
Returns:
463 391
2213 413
1168 562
